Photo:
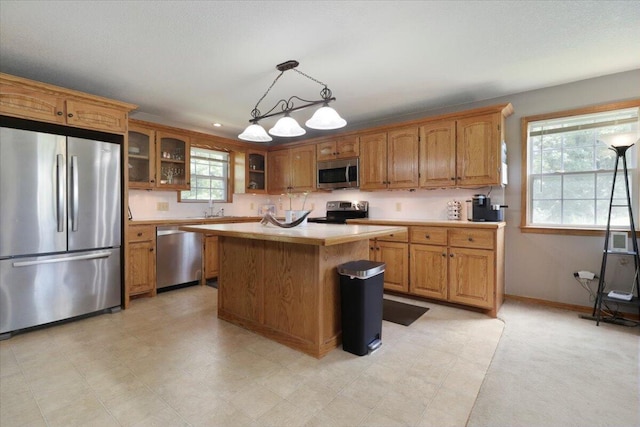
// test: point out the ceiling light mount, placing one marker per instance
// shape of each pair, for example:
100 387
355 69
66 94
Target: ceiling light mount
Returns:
325 118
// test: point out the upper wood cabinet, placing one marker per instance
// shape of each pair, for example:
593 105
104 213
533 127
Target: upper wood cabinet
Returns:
389 159
438 154
462 153
141 157
478 150
256 172
341 148
47 103
173 161
292 170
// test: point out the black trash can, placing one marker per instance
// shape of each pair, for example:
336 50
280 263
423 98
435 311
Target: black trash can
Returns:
361 291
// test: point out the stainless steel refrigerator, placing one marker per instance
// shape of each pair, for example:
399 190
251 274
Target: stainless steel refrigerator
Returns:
60 228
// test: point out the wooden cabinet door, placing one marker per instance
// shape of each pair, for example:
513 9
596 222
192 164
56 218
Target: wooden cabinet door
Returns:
173 164
471 277
141 157
303 168
402 158
91 116
256 172
141 267
373 161
348 146
278 177
438 154
326 150
478 150
211 257
428 271
396 258
30 104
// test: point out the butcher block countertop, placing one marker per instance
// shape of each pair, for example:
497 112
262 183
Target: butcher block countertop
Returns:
308 234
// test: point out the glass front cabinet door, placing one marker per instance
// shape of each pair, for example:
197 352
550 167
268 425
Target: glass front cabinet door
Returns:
173 162
256 172
141 158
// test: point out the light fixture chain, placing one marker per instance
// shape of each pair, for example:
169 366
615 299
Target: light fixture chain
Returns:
309 77
255 113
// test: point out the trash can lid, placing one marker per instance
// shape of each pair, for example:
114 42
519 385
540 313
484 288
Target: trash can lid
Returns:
361 269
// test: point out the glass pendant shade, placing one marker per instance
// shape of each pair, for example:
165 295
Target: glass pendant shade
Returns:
287 127
255 133
326 118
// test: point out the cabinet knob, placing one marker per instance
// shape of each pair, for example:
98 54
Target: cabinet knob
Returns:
426 236
444 254
151 250
451 255
471 239
139 234
59 113
378 248
152 180
453 179
371 248
70 115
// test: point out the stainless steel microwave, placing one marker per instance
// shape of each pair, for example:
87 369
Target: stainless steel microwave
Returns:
334 174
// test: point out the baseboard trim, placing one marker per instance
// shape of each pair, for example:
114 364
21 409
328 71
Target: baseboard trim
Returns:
562 305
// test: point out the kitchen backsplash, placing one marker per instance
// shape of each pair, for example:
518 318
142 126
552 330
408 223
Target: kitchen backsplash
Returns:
418 205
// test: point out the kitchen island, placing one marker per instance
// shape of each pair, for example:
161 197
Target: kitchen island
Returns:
283 283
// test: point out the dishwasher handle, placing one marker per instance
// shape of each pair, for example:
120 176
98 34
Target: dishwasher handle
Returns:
169 232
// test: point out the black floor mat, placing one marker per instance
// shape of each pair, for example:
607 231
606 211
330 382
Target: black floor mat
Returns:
401 313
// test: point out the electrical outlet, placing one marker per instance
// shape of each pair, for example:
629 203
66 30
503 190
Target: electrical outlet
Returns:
162 206
398 207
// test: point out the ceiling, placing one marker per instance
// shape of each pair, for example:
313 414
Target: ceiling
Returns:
192 63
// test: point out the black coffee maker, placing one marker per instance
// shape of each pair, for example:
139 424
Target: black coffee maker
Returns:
483 210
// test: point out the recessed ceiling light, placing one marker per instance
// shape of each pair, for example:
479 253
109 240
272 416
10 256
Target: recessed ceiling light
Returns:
217 125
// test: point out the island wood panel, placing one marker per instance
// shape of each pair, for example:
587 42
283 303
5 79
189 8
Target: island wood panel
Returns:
288 292
290 297
240 289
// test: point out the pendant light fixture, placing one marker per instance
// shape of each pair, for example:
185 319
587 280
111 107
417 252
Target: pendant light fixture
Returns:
325 118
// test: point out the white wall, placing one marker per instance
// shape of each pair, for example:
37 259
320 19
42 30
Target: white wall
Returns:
537 265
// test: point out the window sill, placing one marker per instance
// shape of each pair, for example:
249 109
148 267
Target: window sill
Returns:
568 231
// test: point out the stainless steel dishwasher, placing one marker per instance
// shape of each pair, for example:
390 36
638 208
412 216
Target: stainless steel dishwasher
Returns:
178 257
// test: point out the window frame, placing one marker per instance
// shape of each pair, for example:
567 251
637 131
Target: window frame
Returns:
229 177
525 227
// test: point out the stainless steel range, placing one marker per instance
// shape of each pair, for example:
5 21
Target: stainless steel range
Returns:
338 212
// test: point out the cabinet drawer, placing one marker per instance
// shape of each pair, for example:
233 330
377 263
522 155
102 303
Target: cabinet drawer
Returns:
470 238
395 237
429 235
141 233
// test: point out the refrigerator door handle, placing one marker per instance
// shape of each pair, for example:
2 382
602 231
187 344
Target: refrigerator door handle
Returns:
74 193
60 192
62 259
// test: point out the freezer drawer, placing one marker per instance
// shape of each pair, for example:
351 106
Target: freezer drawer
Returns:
39 290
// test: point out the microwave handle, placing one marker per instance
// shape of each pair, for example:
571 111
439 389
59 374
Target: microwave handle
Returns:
346 172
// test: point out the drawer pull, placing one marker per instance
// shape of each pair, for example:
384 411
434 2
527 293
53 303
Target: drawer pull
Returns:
426 236
471 239
139 234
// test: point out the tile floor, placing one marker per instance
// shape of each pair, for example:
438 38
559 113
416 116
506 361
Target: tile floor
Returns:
169 361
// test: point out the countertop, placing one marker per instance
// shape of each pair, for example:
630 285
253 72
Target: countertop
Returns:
195 220
308 234
426 223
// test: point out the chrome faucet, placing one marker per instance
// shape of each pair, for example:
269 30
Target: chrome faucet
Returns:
212 214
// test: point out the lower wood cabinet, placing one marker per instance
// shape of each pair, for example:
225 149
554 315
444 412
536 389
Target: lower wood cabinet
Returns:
462 264
211 257
394 252
141 262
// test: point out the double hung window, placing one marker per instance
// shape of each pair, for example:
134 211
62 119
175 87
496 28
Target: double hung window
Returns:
209 176
569 168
